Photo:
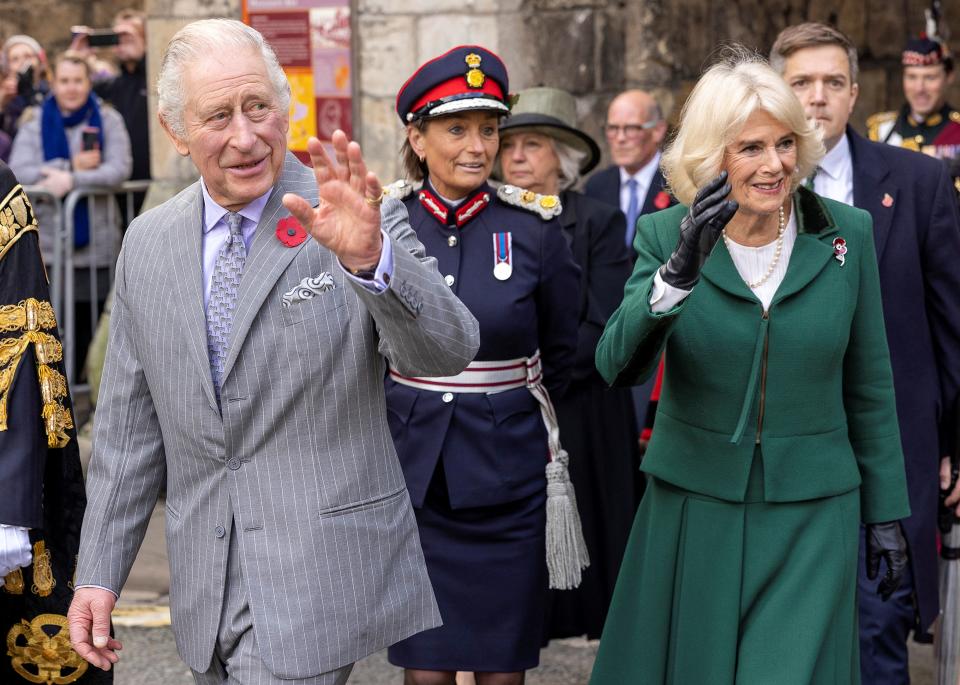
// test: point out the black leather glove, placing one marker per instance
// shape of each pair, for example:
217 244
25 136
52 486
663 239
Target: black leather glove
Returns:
885 541
699 232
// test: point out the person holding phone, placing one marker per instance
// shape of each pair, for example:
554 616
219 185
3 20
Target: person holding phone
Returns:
23 66
68 141
776 429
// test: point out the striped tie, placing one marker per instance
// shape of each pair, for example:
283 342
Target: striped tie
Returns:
223 296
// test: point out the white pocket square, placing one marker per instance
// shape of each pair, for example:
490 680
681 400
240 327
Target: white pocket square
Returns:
307 289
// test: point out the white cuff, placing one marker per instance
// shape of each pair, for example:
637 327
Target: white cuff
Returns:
14 548
664 297
99 587
383 272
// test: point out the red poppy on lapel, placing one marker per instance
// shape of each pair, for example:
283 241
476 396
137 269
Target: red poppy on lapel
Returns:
839 250
290 232
662 200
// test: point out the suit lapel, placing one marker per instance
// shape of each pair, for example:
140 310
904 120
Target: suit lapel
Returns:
268 257
186 235
873 188
611 186
656 185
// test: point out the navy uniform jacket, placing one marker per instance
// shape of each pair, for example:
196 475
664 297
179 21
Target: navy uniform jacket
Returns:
493 446
916 234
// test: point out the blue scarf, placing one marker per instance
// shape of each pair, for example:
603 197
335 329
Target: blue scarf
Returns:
53 133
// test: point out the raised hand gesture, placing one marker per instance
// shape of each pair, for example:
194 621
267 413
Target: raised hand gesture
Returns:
347 220
699 232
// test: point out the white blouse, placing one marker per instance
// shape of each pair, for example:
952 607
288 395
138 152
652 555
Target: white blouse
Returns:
751 262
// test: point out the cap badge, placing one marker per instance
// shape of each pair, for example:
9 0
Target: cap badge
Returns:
475 77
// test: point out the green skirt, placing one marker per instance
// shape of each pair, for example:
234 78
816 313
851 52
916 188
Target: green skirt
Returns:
735 593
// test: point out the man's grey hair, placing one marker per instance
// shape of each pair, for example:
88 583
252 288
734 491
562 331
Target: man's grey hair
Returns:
200 39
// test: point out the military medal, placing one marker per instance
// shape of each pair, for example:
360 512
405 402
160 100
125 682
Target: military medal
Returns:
502 256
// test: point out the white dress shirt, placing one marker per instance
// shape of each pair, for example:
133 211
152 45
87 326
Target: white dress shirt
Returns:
644 177
834 178
751 262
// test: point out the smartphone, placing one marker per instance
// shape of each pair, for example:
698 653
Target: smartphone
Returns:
25 82
90 138
101 38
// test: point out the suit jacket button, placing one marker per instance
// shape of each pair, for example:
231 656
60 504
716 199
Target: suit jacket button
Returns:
447 397
233 463
449 279
220 531
452 241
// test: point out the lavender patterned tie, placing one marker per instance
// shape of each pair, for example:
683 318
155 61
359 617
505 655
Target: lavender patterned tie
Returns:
223 296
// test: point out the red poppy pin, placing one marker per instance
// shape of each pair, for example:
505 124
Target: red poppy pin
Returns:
662 200
839 250
887 200
290 232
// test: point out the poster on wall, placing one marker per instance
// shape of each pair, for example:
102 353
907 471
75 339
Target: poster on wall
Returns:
312 42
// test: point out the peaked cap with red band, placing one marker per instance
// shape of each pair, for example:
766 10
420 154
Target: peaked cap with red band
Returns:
467 77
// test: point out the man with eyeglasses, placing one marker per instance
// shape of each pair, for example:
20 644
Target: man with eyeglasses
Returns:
634 130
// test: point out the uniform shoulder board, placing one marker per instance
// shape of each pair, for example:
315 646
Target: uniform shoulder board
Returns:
547 206
398 189
875 121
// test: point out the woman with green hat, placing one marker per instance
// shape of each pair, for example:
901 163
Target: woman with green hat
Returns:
542 150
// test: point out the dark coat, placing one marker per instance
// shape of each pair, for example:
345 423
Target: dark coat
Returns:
39 462
493 446
594 232
918 248
597 426
605 186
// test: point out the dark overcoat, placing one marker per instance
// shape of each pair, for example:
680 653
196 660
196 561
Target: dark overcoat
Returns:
917 239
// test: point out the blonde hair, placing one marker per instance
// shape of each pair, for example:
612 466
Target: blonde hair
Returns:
715 113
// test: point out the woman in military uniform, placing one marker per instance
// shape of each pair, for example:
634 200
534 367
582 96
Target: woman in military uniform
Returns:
474 447
541 149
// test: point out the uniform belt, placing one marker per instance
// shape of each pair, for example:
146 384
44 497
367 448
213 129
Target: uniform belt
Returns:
481 377
566 548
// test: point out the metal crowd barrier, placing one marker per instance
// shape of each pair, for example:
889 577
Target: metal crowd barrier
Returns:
61 268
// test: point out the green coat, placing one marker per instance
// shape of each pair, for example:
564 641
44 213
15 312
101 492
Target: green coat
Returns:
817 363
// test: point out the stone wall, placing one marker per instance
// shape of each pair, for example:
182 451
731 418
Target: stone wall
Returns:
594 48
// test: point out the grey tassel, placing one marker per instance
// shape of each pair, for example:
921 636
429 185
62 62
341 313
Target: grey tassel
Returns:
566 549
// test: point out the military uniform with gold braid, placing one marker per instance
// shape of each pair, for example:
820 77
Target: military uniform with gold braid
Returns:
39 463
938 135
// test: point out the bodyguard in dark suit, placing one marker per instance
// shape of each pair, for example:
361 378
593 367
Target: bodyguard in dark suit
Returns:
917 239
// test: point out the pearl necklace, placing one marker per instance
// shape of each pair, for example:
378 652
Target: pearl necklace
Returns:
776 253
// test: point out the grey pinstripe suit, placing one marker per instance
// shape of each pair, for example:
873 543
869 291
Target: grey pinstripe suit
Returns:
300 461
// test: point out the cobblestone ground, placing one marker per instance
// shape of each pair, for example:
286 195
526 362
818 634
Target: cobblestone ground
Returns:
150 658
